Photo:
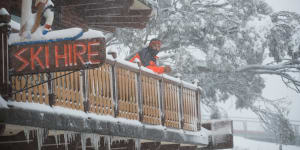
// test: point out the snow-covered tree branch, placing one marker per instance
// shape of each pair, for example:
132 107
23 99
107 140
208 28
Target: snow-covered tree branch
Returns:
226 44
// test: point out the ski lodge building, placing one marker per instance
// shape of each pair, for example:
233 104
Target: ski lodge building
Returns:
60 90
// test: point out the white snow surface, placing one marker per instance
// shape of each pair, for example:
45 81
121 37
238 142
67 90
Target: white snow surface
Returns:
135 66
3 103
71 112
65 33
14 25
241 143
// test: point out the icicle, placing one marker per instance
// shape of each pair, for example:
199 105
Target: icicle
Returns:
56 139
118 139
83 141
40 137
95 139
66 140
71 136
137 144
27 134
107 141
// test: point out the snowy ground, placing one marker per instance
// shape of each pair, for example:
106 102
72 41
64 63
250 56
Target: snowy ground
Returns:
241 143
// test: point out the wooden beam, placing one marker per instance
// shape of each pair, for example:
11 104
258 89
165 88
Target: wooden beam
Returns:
150 145
105 28
134 19
169 146
111 11
187 147
144 12
80 2
107 4
122 24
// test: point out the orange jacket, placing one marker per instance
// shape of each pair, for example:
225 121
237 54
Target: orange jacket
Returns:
151 64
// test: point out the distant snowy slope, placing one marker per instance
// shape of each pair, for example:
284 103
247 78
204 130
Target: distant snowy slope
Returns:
241 143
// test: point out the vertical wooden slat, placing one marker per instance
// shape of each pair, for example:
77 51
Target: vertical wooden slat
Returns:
109 84
150 101
131 105
147 90
146 97
91 94
18 84
156 102
29 91
125 88
73 91
80 93
120 92
100 87
108 96
40 89
34 89
69 91
97 99
76 91
167 103
130 96
133 95
99 102
105 103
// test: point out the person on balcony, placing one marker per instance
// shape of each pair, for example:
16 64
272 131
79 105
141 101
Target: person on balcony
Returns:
147 57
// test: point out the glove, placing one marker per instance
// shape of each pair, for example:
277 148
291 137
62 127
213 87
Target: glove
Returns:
167 69
45 32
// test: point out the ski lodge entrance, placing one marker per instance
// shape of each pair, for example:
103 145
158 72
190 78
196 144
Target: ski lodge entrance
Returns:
66 93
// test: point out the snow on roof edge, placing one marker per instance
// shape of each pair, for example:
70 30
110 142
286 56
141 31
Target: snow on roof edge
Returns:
3 11
77 113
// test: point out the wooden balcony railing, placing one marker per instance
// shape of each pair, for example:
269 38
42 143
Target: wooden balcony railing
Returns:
117 89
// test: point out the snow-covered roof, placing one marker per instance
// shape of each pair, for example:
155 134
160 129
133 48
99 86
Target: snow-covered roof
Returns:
57 35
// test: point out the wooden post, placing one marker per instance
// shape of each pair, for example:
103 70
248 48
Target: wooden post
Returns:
181 111
115 89
140 94
161 102
198 109
5 87
85 89
51 89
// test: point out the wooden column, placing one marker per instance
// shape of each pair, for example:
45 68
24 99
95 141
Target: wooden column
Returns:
85 89
51 89
198 109
5 87
161 102
115 89
180 103
140 94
